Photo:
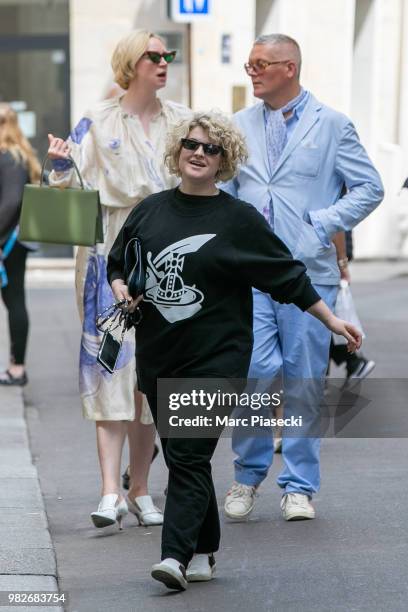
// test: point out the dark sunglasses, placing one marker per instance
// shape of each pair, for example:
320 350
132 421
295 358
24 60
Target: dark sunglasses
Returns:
208 147
155 56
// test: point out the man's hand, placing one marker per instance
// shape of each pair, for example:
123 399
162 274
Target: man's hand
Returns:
345 275
339 241
344 269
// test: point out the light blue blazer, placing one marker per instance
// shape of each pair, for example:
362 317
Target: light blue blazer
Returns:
323 154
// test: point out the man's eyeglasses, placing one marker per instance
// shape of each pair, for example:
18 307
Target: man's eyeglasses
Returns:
261 65
155 56
208 147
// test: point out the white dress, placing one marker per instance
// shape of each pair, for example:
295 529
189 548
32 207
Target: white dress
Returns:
115 156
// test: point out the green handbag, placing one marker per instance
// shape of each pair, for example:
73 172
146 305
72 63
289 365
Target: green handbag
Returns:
61 215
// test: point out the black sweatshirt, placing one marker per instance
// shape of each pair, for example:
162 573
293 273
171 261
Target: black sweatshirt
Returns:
202 256
13 176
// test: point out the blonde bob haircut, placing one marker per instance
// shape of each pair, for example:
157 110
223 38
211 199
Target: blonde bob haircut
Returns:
127 53
221 131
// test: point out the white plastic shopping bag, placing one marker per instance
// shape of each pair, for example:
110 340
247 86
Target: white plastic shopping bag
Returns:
345 309
402 217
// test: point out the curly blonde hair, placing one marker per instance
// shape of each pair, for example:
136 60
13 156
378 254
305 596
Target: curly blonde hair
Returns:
127 53
221 131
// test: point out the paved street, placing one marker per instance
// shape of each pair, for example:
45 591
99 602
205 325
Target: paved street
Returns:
353 557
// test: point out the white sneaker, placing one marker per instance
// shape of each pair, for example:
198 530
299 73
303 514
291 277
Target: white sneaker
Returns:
201 568
144 509
171 573
240 501
296 507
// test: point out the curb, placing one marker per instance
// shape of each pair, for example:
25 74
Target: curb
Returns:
27 556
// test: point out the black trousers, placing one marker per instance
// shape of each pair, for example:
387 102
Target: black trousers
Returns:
191 521
340 354
14 299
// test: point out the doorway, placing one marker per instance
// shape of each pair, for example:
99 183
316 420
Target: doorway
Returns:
35 74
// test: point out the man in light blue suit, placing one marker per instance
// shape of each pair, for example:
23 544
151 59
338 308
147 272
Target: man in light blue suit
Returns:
301 154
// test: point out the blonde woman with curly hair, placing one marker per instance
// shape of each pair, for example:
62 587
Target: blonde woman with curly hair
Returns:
18 165
203 250
118 145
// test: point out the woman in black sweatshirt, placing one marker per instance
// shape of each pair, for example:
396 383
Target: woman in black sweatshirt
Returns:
203 250
18 165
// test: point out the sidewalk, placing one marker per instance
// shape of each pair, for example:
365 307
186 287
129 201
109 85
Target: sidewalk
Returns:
27 558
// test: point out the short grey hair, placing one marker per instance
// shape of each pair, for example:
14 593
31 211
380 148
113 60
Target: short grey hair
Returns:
282 39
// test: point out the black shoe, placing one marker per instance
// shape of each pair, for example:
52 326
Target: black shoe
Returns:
126 473
126 478
10 380
361 370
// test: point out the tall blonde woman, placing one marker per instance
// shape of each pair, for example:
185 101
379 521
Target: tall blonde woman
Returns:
118 146
18 165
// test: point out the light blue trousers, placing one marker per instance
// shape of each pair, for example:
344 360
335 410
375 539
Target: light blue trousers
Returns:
296 345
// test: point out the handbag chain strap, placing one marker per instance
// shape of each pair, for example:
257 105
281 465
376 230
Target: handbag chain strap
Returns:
114 311
117 316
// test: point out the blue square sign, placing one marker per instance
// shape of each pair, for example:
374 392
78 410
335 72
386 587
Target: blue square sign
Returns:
189 10
193 7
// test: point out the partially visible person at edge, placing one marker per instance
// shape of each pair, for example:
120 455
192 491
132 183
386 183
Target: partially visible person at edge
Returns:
402 217
118 145
196 236
358 366
301 153
18 165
